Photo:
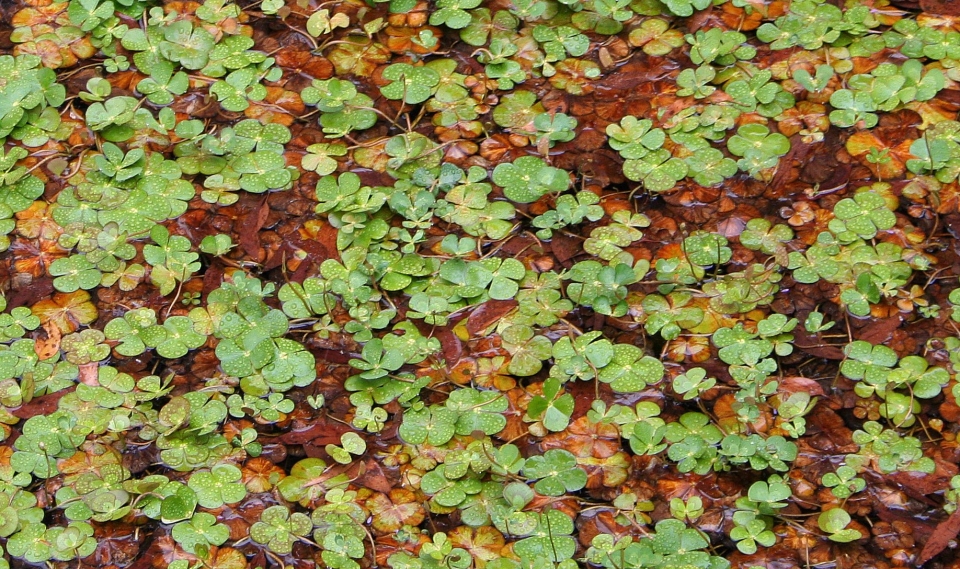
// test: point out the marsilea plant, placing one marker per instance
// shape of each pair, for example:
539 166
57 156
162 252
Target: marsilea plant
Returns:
519 284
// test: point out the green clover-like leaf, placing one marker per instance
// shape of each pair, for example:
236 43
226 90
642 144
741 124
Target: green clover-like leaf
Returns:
411 84
218 486
556 472
630 370
201 529
278 529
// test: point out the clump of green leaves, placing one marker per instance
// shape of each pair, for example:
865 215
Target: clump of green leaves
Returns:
874 367
602 288
884 89
447 262
569 210
759 149
886 451
529 178
343 108
641 145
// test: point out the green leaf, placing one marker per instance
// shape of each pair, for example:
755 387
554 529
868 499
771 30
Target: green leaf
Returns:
278 529
179 505
411 84
550 539
528 178
833 522
478 411
221 485
631 371
201 530
435 425
557 472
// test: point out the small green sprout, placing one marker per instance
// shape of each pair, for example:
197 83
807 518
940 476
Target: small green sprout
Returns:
844 482
834 522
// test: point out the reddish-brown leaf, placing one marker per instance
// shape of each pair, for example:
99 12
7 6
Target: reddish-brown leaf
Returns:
89 374
880 331
799 385
946 532
374 477
814 346
48 345
43 405
395 508
941 7
250 227
488 314
565 247
321 431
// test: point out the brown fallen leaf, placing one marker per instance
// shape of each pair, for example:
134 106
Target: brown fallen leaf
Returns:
43 405
29 295
451 346
799 385
830 433
945 532
374 477
212 278
565 247
487 314
949 410
919 485
941 7
250 228
48 346
89 373
814 346
320 432
880 330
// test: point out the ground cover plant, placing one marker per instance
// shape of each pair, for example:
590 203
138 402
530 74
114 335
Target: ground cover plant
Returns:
492 284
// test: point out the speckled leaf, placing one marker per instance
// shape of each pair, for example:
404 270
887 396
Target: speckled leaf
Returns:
631 371
435 425
178 506
557 472
412 84
550 540
478 411
221 485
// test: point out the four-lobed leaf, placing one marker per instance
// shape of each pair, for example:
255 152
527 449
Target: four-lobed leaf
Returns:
528 178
